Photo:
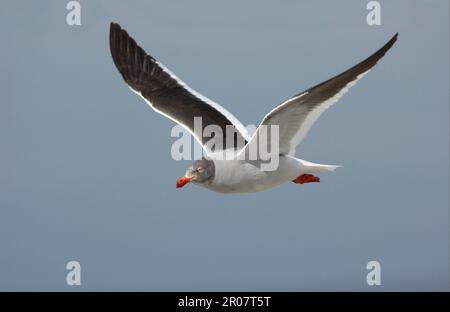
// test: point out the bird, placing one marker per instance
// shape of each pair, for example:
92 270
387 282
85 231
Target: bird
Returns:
169 96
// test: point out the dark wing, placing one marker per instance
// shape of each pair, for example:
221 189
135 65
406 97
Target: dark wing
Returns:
296 115
170 96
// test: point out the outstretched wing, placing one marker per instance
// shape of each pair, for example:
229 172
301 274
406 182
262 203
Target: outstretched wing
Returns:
296 115
170 96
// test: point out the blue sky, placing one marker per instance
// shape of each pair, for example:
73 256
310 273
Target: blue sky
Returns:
88 174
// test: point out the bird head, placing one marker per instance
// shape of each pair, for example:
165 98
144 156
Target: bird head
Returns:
202 171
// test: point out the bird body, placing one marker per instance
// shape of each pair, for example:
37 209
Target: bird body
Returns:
240 176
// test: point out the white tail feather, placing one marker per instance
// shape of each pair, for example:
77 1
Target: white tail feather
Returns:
309 167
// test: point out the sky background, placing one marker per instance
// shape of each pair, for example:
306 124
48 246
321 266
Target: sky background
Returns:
86 172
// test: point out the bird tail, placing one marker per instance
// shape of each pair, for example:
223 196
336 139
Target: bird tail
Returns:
309 167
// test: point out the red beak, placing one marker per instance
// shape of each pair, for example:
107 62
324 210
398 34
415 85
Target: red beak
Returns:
183 181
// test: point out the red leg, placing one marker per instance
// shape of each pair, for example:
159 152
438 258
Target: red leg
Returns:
306 178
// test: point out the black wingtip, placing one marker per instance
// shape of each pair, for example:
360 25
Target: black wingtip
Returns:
394 38
128 57
118 40
114 30
374 58
112 27
391 42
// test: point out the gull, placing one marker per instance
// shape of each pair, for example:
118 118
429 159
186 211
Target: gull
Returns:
168 95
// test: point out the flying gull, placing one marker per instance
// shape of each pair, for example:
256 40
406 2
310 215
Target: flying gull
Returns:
170 96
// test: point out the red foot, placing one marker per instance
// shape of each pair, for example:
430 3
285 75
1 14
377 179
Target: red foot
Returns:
306 178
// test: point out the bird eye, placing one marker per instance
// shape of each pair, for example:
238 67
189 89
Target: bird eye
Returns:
200 170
